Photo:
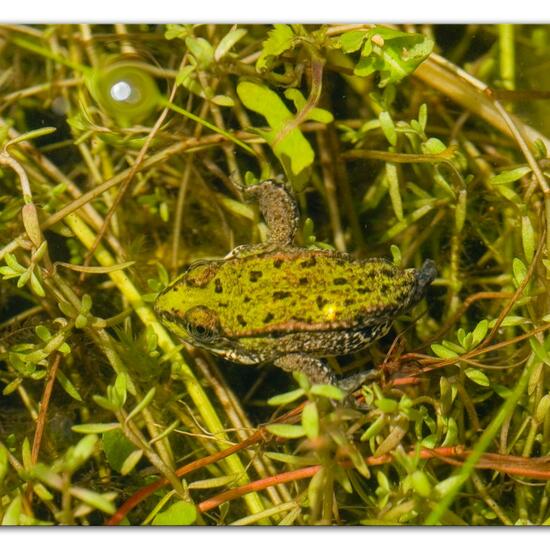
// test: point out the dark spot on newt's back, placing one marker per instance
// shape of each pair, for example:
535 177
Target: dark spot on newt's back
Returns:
268 318
241 320
219 288
303 280
340 281
278 263
309 263
320 302
254 276
280 294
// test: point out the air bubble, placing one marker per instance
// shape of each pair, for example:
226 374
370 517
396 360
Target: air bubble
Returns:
125 90
121 91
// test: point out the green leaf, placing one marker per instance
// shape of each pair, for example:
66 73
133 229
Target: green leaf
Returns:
421 484
443 352
443 487
279 40
351 41
130 463
477 376
64 348
433 146
451 437
511 321
121 388
223 101
26 454
187 78
286 430
367 65
388 127
292 459
374 429
510 194
3 463
285 398
12 516
302 379
393 53
177 31
8 272
105 403
455 347
95 428
509 176
12 386
480 331
328 391
528 238
212 482
293 150
423 116
13 263
468 341
429 441
519 270
315 488
43 333
68 386
46 475
22 281
540 350
396 254
201 49
461 335
179 513
142 404
386 405
81 321
310 420
117 448
317 114
84 449
36 286
227 42
342 478
33 134
392 180
542 408
42 493
93 499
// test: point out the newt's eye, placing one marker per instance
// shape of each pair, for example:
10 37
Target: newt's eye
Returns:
202 324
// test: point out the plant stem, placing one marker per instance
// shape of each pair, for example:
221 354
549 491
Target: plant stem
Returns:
507 55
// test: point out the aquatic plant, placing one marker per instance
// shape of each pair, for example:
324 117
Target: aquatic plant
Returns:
122 151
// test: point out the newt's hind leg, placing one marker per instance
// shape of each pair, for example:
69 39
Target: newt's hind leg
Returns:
279 210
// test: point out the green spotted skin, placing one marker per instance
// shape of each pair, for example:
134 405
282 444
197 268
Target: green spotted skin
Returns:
256 307
288 305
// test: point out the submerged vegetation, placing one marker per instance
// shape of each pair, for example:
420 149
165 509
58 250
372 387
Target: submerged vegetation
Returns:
123 150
